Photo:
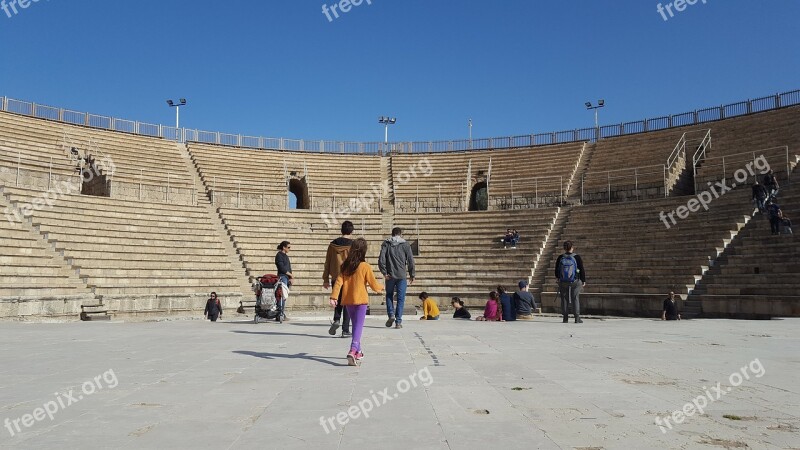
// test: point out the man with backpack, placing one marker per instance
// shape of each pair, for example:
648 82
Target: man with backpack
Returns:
395 256
338 250
571 279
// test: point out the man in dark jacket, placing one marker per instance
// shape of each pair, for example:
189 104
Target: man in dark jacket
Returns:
338 250
759 196
670 311
395 257
771 184
283 263
571 279
213 308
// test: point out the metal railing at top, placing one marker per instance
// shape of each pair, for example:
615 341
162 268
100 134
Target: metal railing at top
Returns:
636 178
696 117
751 164
27 169
249 195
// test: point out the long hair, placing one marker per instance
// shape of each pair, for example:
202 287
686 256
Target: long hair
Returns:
357 255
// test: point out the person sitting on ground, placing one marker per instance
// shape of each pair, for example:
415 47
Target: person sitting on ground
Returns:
759 196
430 310
492 312
509 314
213 308
771 184
524 304
670 308
461 311
508 238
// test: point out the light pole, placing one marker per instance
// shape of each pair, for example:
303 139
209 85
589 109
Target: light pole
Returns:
470 134
177 106
386 121
600 104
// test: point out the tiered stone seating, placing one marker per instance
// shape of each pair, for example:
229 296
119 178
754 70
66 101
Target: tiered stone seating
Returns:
461 254
249 178
757 275
153 165
632 260
621 161
42 163
513 171
258 233
34 280
138 256
622 155
738 142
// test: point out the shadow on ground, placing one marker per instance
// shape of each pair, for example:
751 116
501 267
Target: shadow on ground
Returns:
306 356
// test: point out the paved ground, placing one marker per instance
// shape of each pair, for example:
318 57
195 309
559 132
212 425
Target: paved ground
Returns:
236 385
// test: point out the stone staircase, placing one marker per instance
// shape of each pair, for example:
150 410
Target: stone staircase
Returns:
573 191
232 250
84 296
550 247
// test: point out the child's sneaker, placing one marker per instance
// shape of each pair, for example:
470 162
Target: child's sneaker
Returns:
351 358
359 356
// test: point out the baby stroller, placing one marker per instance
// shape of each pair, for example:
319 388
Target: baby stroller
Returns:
271 296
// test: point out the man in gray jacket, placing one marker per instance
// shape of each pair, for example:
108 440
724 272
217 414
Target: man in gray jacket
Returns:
395 257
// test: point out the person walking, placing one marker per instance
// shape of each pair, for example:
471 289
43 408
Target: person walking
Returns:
670 310
337 254
283 263
354 276
571 279
213 308
395 258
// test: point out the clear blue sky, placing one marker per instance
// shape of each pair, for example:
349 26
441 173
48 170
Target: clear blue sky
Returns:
280 68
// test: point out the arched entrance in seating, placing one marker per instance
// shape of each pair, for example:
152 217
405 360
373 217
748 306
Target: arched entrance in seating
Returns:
299 190
479 199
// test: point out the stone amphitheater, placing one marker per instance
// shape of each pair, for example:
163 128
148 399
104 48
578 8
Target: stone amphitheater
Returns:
105 219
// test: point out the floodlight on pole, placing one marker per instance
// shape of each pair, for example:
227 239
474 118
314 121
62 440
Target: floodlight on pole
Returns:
386 121
600 104
470 134
177 106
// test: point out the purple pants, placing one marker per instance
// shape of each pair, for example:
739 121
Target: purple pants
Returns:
358 314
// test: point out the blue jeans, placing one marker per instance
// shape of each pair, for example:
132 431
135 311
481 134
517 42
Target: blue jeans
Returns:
400 285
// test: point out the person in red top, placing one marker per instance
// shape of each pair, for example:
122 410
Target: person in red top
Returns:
492 312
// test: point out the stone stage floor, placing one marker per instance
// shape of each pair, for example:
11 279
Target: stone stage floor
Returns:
604 384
